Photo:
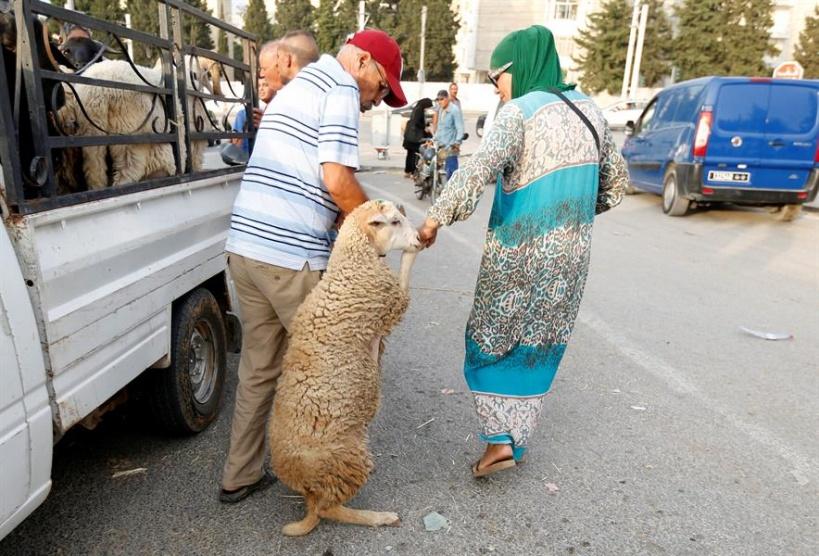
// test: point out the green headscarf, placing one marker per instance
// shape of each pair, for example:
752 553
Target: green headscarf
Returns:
535 63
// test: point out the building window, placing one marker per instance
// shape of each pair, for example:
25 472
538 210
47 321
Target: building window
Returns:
565 9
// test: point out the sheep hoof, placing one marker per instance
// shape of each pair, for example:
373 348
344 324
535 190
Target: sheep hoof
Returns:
300 528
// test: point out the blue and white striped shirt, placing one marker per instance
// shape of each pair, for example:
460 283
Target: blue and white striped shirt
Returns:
283 213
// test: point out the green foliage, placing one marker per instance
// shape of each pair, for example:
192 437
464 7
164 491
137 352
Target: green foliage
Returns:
257 21
442 26
194 30
334 21
604 45
807 50
723 37
293 15
144 17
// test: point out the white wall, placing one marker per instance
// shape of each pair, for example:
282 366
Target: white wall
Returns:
474 97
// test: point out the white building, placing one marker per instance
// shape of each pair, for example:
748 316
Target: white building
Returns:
485 22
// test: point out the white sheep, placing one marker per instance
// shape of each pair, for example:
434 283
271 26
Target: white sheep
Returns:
131 112
329 389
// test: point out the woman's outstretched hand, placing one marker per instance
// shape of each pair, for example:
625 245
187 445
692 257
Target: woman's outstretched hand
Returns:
428 232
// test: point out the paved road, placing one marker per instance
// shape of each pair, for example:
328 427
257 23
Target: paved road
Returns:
668 431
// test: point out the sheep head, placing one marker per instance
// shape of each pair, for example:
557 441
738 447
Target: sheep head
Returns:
386 227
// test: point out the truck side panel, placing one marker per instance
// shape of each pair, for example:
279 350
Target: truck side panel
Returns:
106 274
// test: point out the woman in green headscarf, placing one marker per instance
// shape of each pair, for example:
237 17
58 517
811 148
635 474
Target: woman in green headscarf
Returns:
556 166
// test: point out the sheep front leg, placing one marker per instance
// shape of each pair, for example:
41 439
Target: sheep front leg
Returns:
377 348
407 260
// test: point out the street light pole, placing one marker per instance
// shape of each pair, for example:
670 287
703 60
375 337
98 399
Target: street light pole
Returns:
632 37
638 55
421 75
362 18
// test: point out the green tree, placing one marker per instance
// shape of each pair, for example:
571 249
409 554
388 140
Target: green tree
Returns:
334 21
106 10
723 37
144 17
807 50
195 31
604 45
442 26
257 20
293 15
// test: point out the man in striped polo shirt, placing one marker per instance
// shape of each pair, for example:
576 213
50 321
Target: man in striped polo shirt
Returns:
299 181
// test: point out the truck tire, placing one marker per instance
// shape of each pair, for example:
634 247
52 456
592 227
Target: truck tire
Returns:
673 203
185 398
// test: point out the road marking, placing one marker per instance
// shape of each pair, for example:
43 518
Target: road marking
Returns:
804 469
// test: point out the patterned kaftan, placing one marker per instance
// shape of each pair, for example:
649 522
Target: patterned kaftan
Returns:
536 255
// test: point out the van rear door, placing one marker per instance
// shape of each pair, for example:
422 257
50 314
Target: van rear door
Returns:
738 135
791 130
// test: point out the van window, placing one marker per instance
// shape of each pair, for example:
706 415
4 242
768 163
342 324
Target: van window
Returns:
689 102
792 109
647 118
665 110
742 107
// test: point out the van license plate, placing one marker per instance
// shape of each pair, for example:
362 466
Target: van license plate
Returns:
731 177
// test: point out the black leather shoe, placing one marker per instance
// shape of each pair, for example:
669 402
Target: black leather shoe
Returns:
233 496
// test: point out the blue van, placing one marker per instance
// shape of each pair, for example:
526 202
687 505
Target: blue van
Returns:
727 140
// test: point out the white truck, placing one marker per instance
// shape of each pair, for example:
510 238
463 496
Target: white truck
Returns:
100 288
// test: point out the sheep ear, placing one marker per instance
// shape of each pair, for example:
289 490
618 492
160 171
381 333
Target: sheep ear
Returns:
377 220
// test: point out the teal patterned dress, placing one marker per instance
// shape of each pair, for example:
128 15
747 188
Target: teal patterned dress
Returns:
552 181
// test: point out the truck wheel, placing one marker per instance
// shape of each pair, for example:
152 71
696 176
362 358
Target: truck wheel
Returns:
673 204
185 398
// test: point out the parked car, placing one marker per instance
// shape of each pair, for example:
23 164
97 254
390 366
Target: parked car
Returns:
727 139
620 113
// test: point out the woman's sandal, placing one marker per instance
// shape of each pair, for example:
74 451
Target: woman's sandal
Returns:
492 468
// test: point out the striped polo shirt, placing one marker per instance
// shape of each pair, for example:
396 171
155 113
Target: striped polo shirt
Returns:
283 214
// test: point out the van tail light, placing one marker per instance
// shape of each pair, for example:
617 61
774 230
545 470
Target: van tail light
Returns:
816 156
703 133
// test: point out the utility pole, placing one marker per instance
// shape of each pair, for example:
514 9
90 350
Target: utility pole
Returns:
638 55
421 74
632 37
129 42
362 17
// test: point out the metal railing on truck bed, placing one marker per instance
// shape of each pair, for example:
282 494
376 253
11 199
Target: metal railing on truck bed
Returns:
33 185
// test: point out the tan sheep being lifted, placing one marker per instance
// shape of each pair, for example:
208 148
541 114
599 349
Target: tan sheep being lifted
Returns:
329 389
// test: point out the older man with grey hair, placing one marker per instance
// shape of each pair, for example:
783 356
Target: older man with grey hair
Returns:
299 182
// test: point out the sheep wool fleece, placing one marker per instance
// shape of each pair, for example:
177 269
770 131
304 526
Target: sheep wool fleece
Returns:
330 384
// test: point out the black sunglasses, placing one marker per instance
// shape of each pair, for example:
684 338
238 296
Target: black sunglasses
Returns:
495 75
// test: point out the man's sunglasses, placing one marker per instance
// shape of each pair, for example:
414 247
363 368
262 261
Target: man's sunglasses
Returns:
495 75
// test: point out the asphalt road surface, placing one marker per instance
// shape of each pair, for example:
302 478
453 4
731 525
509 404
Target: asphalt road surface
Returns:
668 430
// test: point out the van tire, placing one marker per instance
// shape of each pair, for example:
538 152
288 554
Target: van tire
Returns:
185 398
673 203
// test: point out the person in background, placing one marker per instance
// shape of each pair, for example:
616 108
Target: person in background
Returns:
450 131
414 134
300 180
555 170
240 123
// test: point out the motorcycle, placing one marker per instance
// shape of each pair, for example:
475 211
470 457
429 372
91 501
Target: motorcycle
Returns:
430 171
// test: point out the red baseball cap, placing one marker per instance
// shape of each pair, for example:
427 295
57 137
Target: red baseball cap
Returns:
386 52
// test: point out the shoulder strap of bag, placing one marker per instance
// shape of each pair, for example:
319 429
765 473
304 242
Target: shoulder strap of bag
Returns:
583 117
